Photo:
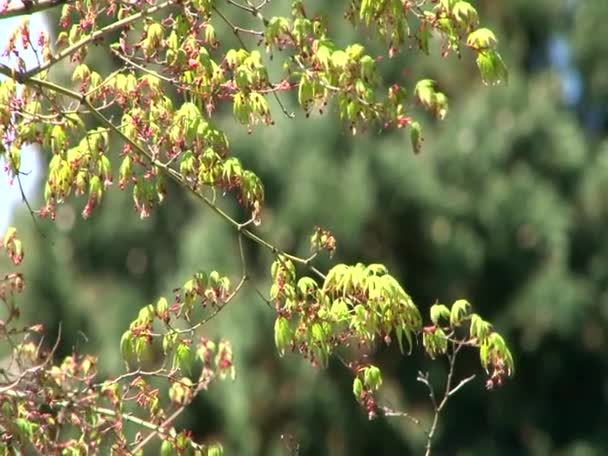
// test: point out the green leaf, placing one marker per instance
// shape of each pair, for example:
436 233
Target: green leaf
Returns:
435 342
282 334
339 310
81 73
376 269
372 377
401 331
497 342
447 5
166 448
357 388
169 341
146 314
424 36
26 428
324 52
140 347
334 276
482 39
355 51
416 136
180 391
508 360
466 14
460 309
306 286
318 337
58 139
305 92
442 341
339 59
162 307
483 355
440 107
215 450
126 346
183 358
479 329
425 92
491 67
438 312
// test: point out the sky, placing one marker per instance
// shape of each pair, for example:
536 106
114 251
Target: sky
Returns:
10 194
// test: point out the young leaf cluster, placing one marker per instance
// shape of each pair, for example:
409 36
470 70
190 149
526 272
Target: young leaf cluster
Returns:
152 121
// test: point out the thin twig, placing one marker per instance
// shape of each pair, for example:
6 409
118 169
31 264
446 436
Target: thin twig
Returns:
449 392
236 30
36 368
218 309
170 172
242 255
96 35
29 207
386 411
163 425
141 68
461 384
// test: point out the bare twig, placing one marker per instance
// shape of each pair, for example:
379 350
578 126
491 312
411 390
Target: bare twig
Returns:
386 411
449 392
161 429
32 370
162 426
141 68
28 205
242 255
462 382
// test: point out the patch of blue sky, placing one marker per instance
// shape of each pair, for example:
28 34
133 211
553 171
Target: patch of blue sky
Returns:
10 193
560 56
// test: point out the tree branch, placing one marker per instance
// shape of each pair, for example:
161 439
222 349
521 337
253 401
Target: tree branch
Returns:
387 411
449 392
29 7
27 78
97 35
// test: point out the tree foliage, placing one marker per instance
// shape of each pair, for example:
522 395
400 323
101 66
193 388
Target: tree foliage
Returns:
150 125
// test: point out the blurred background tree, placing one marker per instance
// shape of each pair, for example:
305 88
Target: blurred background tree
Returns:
506 205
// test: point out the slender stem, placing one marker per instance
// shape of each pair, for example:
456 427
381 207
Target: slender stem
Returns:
26 78
386 411
156 432
126 417
236 29
101 410
8 388
175 414
449 392
142 68
237 33
98 34
25 200
242 255
463 382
